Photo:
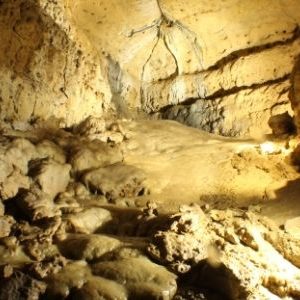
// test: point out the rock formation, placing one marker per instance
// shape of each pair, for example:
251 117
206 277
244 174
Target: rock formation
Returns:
44 68
100 225
210 65
100 198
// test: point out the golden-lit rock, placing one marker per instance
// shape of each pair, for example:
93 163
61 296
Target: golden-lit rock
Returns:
292 226
116 181
89 220
94 154
98 288
73 60
140 276
50 150
6 223
52 177
90 248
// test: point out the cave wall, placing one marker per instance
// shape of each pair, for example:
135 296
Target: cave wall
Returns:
295 93
47 68
222 66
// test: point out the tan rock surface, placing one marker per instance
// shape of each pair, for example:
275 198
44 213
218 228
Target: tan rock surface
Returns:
221 53
44 67
126 244
95 210
80 58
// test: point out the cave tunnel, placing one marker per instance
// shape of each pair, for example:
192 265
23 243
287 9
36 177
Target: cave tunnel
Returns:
149 149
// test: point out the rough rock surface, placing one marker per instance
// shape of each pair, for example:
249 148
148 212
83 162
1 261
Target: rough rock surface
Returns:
47 68
295 93
91 155
52 177
89 247
230 237
21 286
211 65
89 220
219 59
116 181
94 235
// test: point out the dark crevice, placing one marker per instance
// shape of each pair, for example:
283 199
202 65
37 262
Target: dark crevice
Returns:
225 93
236 55
204 277
173 55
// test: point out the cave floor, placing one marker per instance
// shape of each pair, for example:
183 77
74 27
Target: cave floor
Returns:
155 209
185 165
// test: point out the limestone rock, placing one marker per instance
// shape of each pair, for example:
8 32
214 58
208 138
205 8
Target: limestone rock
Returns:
185 242
245 112
6 169
292 226
13 287
2 208
94 154
99 288
140 276
19 153
192 54
114 58
47 65
6 223
73 275
10 187
48 267
37 205
89 220
52 177
48 149
260 256
14 160
90 248
91 125
116 181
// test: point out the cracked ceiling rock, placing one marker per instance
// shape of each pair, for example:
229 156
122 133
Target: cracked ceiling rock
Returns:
43 61
208 56
295 92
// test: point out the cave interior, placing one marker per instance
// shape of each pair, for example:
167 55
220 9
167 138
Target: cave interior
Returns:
149 149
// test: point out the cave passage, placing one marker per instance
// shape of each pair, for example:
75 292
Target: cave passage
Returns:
149 149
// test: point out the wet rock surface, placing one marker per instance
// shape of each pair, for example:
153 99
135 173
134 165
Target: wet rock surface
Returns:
95 228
